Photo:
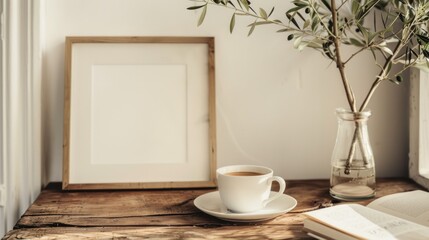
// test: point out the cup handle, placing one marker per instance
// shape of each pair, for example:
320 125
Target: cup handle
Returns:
282 184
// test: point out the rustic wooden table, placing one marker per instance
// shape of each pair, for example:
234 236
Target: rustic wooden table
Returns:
166 214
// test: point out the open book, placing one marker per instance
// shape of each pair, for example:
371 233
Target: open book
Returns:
397 216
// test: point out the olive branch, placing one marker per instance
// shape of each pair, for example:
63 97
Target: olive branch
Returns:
328 26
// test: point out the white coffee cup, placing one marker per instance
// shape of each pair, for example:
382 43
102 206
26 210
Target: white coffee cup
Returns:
246 188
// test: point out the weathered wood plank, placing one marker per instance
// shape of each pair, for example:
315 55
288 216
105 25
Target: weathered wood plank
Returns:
227 232
195 219
167 214
94 221
115 203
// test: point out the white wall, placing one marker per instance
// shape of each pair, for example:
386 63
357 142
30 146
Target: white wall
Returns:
275 106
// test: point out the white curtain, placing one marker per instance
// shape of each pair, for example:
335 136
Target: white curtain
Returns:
20 159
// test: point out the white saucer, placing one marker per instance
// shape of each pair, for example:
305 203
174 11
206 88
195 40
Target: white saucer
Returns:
211 204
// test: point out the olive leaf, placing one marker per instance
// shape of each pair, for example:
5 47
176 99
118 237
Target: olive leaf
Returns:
195 7
252 28
263 13
232 23
202 16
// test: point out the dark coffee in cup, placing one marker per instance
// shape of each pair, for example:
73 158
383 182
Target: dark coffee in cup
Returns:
243 173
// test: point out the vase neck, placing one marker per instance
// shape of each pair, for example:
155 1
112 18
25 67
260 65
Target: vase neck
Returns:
348 115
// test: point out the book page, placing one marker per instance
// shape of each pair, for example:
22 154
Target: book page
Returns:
413 206
323 232
362 222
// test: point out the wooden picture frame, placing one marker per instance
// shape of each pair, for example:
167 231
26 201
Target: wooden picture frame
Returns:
139 112
419 127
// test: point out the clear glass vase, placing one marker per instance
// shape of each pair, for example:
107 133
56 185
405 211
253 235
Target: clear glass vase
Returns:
353 170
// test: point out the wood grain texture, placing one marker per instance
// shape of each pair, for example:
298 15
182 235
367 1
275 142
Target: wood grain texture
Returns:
138 39
260 232
212 107
67 109
167 214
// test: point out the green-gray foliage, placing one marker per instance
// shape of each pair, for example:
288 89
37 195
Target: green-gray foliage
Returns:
328 25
